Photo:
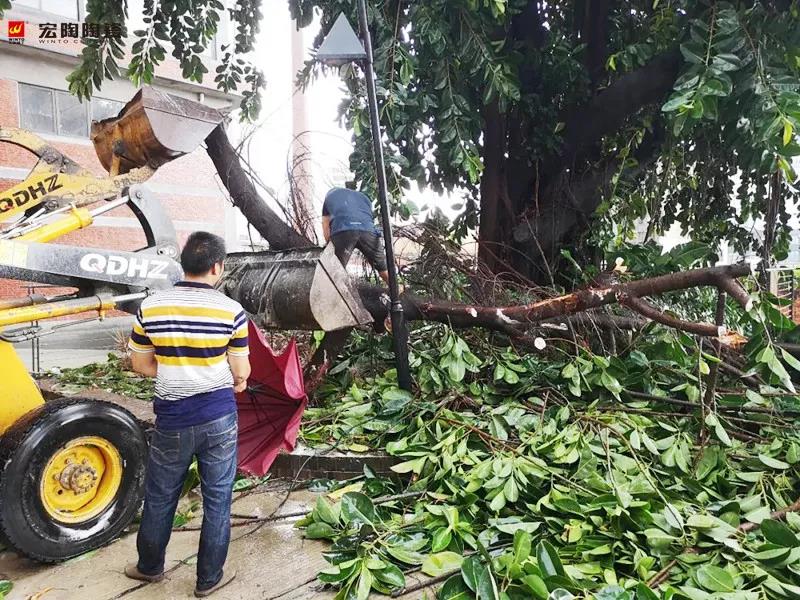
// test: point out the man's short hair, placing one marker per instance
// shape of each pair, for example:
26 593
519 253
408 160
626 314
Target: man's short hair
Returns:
201 252
350 185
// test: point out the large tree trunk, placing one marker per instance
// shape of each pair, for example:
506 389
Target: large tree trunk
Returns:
536 209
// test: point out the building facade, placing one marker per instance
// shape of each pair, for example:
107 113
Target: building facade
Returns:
34 96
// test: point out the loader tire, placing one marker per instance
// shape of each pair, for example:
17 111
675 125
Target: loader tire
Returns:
71 478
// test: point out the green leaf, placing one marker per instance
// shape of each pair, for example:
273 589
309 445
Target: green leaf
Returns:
325 511
790 360
788 131
522 546
498 502
410 466
511 490
773 463
613 592
659 540
691 54
406 556
676 102
455 589
610 383
779 534
441 563
395 400
673 516
772 557
320 531
336 574
364 584
357 508
479 578
549 562
726 62
391 575
537 586
645 593
441 539
715 579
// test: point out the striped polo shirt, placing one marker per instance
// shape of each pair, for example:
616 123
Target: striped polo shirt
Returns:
192 329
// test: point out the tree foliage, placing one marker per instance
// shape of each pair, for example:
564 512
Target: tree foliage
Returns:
568 121
564 123
568 473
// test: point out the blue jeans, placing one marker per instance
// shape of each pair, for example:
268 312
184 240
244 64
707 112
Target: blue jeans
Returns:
171 453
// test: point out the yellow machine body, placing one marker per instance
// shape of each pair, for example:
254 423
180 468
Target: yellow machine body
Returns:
82 478
19 392
57 180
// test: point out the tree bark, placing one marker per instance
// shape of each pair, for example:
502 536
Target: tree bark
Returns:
245 197
506 318
568 185
490 236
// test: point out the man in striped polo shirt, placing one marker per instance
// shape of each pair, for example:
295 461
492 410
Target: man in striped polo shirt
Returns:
193 340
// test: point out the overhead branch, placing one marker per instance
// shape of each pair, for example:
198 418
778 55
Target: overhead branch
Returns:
606 112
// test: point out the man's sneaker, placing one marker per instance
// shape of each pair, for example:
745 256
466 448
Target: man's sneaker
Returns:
132 571
226 579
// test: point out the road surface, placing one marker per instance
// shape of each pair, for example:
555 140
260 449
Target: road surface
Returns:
78 344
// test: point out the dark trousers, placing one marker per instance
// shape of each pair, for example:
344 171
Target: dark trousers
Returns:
367 242
171 453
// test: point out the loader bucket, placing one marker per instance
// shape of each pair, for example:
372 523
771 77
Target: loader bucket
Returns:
152 129
306 289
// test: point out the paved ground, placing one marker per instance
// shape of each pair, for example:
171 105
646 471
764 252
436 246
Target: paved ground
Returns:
272 561
77 344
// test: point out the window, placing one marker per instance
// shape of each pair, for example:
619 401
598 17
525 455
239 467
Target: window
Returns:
36 109
212 51
72 115
103 109
52 111
63 8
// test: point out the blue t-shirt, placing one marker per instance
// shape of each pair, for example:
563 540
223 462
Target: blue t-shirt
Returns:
349 210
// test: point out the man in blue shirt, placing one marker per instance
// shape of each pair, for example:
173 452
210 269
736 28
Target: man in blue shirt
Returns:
348 222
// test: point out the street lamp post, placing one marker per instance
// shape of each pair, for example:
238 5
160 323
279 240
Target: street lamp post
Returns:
341 46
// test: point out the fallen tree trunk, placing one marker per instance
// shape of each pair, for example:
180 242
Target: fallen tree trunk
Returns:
510 320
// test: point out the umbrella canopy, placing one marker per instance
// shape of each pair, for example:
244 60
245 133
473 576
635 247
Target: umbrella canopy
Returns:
271 407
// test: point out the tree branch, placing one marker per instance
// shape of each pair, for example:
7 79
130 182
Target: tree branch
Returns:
653 313
246 198
501 318
606 112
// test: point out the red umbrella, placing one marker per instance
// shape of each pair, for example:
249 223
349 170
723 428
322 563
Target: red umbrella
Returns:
271 407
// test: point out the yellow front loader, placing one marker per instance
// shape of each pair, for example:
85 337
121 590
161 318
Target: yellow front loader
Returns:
72 470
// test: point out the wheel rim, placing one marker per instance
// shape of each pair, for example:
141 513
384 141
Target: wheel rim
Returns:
81 479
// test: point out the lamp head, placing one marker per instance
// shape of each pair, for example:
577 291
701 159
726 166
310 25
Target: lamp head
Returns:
341 45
